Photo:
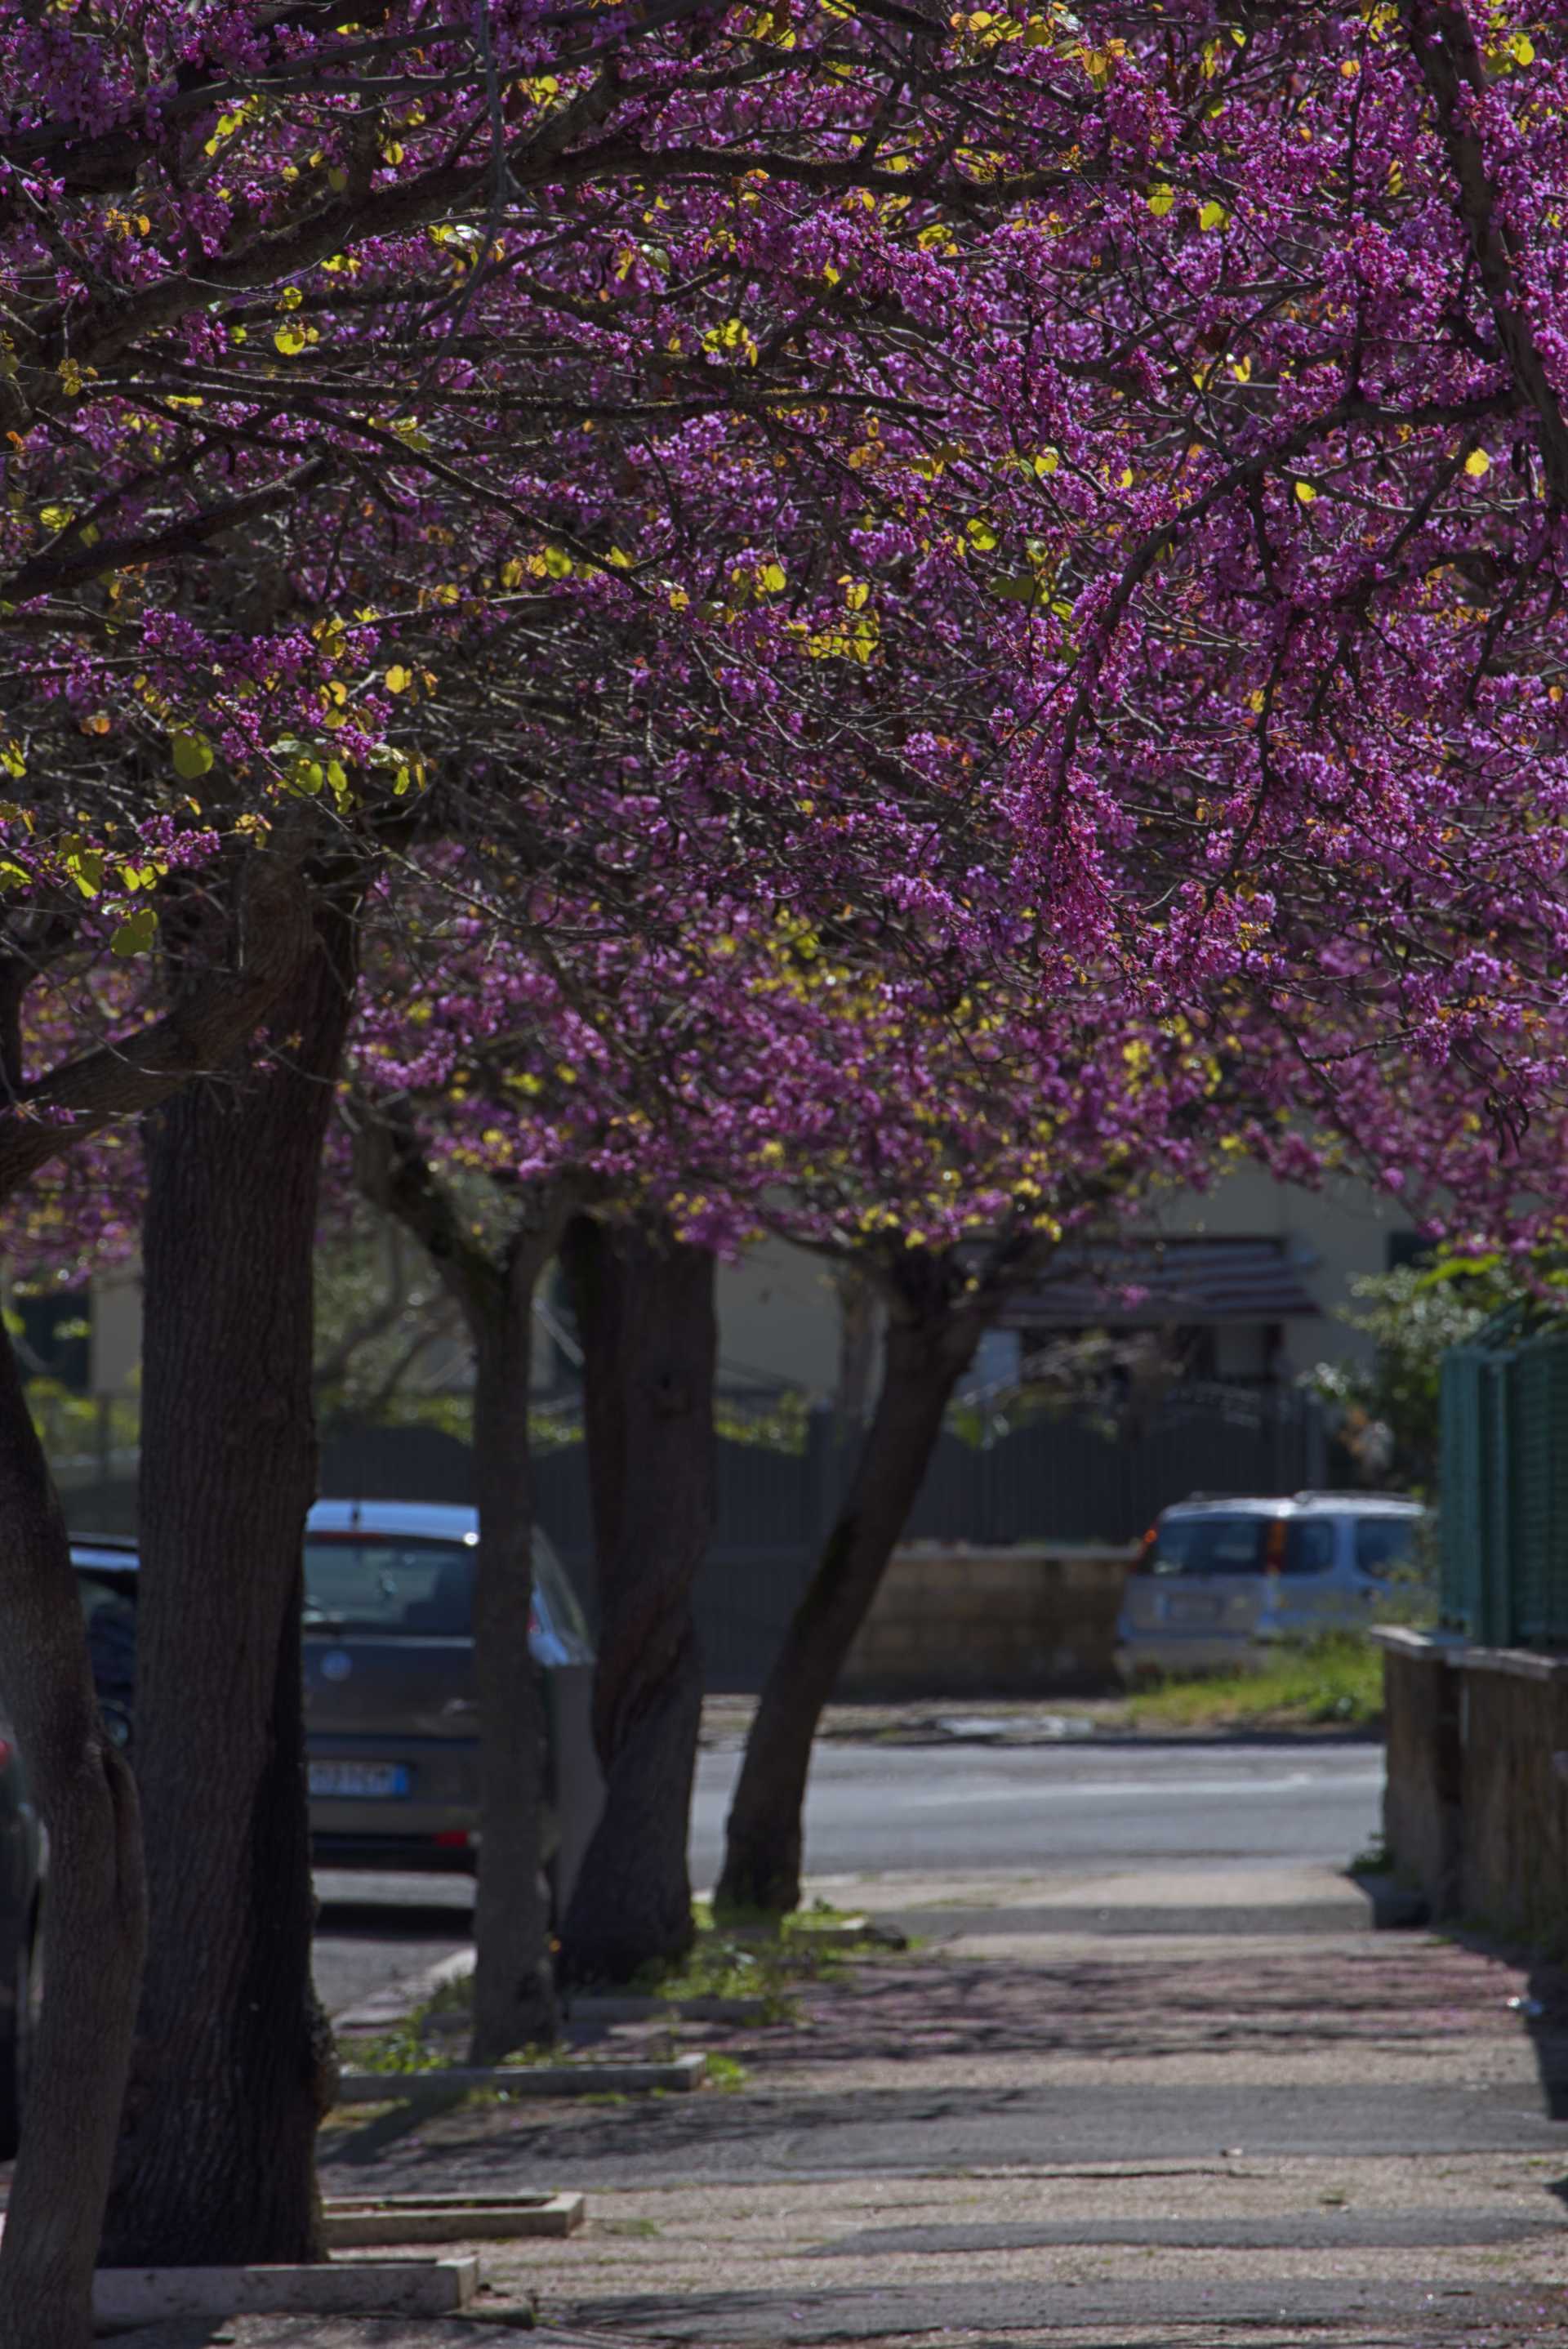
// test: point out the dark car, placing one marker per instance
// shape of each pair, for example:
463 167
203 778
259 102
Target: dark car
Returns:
390 1729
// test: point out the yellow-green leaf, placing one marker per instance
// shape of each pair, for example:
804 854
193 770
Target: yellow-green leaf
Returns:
771 576
1213 215
1305 493
290 340
1160 201
1477 463
398 678
136 934
192 755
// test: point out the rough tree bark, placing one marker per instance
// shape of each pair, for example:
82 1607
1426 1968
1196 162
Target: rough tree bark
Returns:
645 1319
86 1797
97 1915
232 2064
934 1325
514 1990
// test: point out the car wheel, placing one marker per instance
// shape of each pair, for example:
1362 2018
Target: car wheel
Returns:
17 2045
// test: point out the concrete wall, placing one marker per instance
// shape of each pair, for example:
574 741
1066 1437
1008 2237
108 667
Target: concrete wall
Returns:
1345 1226
779 1318
1038 1620
1421 1794
1476 1811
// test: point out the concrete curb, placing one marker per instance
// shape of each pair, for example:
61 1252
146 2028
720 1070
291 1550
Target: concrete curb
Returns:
383 2009
345 2287
354 2221
1396 1908
686 2072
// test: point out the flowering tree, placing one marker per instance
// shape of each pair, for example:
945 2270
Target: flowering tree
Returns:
1148 423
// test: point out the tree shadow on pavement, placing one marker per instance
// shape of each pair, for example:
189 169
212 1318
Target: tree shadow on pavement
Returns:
1140 2007
1537 2002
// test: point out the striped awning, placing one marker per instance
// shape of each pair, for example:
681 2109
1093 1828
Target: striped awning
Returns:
1149 1284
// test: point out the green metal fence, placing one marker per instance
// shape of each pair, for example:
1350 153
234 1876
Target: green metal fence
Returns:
1505 1483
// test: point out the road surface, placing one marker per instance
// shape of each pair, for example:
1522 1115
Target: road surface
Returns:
903 1810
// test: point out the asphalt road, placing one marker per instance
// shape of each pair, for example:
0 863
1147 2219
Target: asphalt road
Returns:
899 1809
903 1810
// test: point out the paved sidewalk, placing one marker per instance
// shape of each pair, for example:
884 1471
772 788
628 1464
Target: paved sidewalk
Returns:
1205 2107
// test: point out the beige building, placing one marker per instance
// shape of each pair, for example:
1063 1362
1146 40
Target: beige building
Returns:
1250 1273
1246 1278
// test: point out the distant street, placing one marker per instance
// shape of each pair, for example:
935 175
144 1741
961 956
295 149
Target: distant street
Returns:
904 1809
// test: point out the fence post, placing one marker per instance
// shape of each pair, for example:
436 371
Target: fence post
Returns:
1495 1626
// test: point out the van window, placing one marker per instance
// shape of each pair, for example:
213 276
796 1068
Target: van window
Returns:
1383 1543
1208 1546
1308 1545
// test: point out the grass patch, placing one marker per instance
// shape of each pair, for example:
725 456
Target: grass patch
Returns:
1335 1681
722 1965
408 2050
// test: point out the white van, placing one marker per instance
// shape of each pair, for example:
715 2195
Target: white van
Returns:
1222 1578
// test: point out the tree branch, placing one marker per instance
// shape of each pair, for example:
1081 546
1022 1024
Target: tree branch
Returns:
1443 43
206 1026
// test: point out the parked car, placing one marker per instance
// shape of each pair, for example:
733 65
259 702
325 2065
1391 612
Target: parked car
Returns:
1223 1578
391 1740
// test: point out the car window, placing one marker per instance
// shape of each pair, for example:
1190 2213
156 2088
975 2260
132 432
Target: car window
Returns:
1383 1543
380 1585
561 1602
1209 1546
1308 1545
375 1583
110 1610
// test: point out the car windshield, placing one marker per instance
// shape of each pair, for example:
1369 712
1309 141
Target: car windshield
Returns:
372 1583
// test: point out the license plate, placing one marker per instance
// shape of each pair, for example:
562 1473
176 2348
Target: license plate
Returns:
1194 1610
362 1781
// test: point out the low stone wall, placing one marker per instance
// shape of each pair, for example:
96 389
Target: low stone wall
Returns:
1038 1618
1422 1793
1476 1806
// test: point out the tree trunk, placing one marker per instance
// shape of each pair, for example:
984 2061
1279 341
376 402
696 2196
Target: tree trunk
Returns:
857 1350
514 1994
97 1915
232 2064
514 1990
646 1317
925 1354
